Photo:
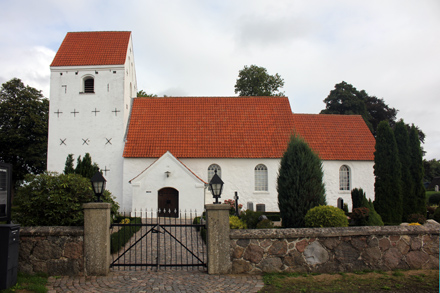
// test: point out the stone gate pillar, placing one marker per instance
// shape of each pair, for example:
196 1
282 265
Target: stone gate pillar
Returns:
218 242
97 238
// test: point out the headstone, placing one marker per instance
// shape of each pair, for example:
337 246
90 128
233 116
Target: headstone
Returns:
436 188
261 207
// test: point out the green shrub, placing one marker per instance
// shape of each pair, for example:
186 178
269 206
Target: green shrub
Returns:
326 216
360 216
236 223
275 217
356 198
417 218
265 224
374 219
437 215
51 199
345 209
250 218
118 239
434 199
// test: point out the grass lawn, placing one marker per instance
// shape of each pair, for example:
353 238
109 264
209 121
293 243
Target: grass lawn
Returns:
376 281
29 283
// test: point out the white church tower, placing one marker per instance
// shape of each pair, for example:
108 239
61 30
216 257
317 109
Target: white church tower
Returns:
93 81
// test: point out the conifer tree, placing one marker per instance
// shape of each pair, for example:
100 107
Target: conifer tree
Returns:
85 167
299 183
417 171
68 167
408 198
387 170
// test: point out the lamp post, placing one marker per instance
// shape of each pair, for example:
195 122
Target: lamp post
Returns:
98 185
216 185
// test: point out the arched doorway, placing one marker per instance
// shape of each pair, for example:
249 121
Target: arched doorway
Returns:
168 202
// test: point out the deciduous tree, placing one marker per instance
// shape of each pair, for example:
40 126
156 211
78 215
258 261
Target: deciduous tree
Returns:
299 183
23 124
255 81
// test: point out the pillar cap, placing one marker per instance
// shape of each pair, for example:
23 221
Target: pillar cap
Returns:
217 206
97 205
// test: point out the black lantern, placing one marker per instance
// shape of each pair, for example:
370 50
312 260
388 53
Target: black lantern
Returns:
98 185
216 185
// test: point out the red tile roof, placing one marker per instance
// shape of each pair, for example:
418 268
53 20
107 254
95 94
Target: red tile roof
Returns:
336 137
227 127
239 127
92 48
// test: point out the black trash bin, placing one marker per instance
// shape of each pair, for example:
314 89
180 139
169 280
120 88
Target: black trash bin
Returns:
9 245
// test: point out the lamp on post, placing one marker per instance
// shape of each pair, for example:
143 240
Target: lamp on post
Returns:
98 185
216 185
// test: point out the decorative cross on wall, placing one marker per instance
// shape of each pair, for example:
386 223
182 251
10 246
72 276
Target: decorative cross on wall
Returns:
86 141
105 170
58 113
108 141
96 111
63 141
74 112
116 111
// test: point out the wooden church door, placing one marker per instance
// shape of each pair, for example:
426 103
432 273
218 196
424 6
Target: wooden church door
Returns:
168 202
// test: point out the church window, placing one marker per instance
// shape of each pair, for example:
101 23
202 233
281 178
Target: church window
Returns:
344 178
89 85
211 171
261 178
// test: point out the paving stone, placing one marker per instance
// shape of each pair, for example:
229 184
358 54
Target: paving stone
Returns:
148 281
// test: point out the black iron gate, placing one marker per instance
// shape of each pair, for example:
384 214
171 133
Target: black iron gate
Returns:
158 240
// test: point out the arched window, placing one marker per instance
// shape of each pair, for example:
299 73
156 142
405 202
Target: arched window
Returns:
89 85
261 178
344 178
211 171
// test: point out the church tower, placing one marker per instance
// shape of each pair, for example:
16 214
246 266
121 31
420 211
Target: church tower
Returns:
93 81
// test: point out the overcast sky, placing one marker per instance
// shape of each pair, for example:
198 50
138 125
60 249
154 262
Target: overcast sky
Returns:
391 49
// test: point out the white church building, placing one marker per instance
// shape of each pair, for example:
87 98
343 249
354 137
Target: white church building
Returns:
161 152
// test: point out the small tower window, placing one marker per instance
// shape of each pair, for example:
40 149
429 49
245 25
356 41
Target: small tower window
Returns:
89 85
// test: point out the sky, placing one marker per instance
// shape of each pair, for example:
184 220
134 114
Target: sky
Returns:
390 49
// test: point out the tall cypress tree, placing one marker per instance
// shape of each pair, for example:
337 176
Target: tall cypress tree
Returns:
408 198
68 167
387 170
299 183
417 171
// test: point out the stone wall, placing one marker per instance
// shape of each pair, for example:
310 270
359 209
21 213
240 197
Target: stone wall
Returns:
335 249
56 251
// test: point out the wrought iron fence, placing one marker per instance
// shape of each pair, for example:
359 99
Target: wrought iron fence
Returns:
158 240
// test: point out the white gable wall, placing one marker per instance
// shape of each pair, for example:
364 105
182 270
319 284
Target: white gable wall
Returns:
146 186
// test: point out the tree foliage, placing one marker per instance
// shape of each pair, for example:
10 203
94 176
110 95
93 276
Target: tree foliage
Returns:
24 125
431 168
142 93
402 141
387 170
255 81
299 183
51 199
345 99
85 167
416 171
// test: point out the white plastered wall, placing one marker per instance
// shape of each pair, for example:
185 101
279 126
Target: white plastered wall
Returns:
361 176
238 175
72 120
